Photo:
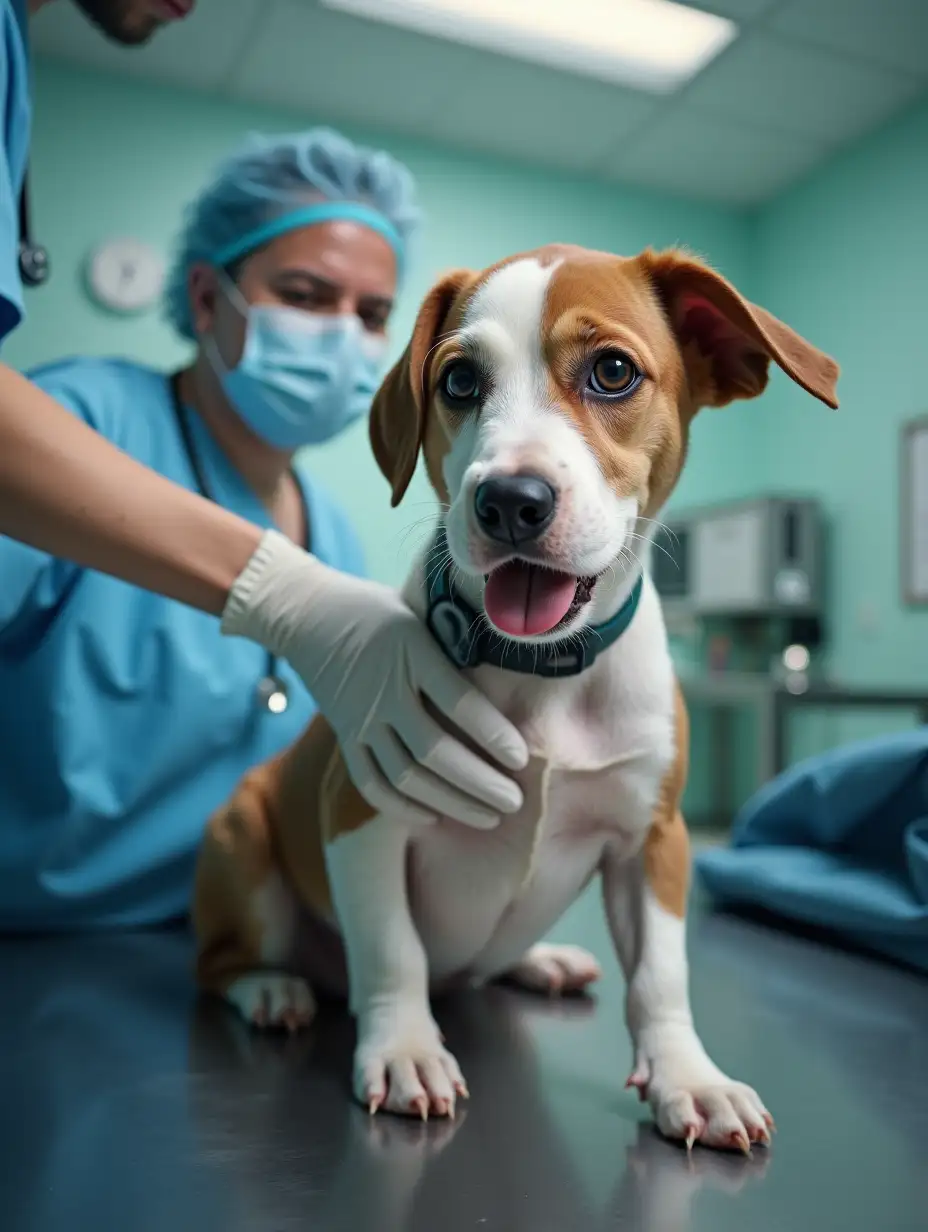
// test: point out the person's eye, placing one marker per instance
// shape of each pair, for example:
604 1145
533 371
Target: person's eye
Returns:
612 374
374 322
460 383
308 300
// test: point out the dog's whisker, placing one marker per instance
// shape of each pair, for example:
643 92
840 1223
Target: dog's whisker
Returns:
420 528
632 535
658 526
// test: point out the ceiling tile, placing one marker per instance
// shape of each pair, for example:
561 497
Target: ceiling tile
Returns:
199 52
890 32
715 159
814 93
539 116
344 68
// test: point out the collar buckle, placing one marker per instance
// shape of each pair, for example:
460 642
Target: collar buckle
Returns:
467 642
453 629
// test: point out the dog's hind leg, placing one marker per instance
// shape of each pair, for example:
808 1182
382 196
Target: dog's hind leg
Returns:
245 916
555 969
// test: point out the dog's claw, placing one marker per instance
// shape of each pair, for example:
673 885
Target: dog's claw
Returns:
639 1083
690 1137
421 1105
740 1141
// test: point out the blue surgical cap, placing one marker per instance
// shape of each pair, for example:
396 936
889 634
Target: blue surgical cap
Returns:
275 183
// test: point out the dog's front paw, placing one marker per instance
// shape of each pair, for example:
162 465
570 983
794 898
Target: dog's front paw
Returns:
724 1114
693 1101
402 1066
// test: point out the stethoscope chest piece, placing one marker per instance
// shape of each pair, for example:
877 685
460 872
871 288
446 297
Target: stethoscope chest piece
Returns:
33 264
273 694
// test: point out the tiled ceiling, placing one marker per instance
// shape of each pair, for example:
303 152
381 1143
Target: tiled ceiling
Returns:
802 79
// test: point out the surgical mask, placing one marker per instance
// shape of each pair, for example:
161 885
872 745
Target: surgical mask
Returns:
302 378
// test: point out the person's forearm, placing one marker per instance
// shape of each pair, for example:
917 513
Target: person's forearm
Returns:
67 491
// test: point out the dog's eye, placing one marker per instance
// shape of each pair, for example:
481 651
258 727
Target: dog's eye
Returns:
613 373
459 382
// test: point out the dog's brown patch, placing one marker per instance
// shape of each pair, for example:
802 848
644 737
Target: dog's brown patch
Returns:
697 341
236 858
739 339
667 847
399 422
316 802
598 302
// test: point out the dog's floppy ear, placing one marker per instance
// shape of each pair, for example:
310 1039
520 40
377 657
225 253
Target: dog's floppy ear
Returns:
727 342
397 423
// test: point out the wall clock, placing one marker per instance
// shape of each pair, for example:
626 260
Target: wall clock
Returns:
126 275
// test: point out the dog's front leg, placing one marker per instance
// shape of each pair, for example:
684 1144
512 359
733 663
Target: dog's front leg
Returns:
690 1096
400 1063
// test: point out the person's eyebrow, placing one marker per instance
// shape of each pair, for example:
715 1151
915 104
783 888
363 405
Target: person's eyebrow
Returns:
307 276
327 286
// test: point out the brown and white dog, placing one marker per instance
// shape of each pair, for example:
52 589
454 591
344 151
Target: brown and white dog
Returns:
551 396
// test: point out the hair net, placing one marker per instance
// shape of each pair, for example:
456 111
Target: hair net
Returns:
272 177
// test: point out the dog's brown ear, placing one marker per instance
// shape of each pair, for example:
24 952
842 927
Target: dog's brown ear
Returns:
728 342
397 423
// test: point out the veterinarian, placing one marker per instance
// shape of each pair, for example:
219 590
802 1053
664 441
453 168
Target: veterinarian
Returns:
124 715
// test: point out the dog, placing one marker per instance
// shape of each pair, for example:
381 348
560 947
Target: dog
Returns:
551 398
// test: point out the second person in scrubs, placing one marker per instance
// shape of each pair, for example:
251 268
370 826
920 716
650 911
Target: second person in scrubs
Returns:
66 490
126 717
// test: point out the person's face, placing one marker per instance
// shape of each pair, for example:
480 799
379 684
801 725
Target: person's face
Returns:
332 269
133 22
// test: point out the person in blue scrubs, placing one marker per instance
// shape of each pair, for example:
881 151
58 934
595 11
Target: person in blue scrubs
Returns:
90 473
126 718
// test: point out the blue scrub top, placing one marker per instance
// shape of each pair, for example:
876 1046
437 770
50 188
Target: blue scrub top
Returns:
126 718
14 152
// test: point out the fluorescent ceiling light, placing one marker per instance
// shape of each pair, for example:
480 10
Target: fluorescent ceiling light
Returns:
648 44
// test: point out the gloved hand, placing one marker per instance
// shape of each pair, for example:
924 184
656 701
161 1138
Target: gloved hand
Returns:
368 661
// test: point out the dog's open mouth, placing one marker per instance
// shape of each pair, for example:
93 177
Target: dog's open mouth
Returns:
526 600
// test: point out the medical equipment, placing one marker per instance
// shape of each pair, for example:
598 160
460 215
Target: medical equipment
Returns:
34 267
751 558
272 692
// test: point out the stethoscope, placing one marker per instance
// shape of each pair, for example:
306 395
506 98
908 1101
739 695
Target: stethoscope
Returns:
34 267
273 693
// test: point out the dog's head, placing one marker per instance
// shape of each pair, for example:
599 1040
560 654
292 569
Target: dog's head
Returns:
552 396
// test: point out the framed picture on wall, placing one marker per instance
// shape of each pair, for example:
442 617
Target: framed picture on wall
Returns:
914 529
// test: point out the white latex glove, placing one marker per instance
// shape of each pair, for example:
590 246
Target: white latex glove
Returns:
368 662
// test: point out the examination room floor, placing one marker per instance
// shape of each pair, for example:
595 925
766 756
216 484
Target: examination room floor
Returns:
127 1106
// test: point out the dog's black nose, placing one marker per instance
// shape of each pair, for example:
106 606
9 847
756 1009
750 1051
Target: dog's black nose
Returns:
514 508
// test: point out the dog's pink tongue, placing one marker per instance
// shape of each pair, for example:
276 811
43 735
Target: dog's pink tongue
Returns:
524 601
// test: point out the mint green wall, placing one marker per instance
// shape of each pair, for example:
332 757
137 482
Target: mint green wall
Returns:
111 157
844 259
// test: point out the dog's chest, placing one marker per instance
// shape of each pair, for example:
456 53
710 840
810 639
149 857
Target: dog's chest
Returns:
600 747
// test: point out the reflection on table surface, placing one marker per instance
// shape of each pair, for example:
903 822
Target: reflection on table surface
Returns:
130 1105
